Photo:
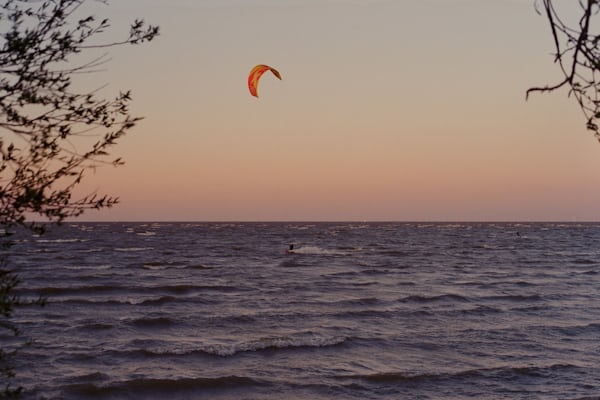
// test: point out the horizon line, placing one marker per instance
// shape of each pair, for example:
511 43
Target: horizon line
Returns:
335 221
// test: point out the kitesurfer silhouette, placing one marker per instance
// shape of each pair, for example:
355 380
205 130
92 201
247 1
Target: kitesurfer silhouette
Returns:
290 250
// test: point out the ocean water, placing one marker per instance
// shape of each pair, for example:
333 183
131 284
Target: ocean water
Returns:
359 311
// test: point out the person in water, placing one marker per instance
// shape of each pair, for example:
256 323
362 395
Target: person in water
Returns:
290 250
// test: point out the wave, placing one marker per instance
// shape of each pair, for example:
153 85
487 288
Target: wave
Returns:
159 301
585 261
397 253
431 299
374 314
160 265
197 266
121 300
156 322
590 272
316 250
579 331
133 249
479 310
274 343
117 302
60 291
501 373
587 398
455 298
93 376
61 240
386 314
95 327
130 291
147 233
266 344
180 289
515 298
148 388
362 301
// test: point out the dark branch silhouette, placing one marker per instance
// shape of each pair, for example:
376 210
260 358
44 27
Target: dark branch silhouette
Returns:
39 165
578 56
52 133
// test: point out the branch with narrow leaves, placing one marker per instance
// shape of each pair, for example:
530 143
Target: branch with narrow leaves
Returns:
578 56
51 134
51 123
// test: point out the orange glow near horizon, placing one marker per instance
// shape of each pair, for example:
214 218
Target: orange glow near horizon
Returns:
373 121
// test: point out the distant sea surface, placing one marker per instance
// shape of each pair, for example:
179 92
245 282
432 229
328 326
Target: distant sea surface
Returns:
359 311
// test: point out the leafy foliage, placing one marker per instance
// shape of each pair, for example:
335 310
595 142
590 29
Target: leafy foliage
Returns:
578 55
8 301
52 133
38 104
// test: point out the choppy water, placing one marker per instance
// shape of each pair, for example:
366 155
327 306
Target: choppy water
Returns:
361 311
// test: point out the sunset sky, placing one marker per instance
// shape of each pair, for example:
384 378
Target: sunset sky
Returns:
404 110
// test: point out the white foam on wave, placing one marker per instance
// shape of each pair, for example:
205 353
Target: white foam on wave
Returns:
264 343
133 249
147 233
92 250
316 250
60 240
87 267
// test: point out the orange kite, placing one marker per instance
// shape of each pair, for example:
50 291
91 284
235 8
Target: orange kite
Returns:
255 75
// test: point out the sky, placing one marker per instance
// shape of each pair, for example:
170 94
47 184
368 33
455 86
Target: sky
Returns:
388 110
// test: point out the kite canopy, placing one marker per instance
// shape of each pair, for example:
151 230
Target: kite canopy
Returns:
255 75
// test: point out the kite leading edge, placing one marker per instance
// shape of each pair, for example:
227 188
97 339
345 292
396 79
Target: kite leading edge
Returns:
255 75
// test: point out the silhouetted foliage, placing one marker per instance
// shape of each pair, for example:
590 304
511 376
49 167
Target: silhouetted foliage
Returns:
577 54
8 301
52 133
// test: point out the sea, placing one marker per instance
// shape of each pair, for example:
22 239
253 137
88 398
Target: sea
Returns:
357 311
